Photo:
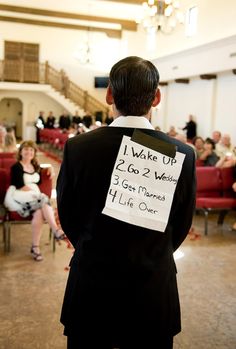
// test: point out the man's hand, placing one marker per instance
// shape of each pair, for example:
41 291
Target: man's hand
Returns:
25 188
50 172
234 186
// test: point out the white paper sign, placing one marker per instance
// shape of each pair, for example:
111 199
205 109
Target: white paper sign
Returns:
142 185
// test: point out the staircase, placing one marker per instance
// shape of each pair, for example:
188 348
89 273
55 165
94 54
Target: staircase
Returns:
67 104
59 86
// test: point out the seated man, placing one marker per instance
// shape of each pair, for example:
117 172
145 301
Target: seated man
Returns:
208 155
225 147
234 225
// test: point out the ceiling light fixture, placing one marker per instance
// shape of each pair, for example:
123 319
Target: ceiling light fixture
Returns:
161 15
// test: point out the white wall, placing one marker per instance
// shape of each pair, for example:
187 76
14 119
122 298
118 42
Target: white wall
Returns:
212 102
11 113
32 102
225 114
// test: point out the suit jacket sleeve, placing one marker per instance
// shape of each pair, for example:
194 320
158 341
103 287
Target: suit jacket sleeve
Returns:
186 195
65 201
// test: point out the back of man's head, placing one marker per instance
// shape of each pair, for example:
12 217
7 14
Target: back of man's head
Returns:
133 82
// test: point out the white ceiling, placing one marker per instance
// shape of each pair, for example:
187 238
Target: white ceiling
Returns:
216 21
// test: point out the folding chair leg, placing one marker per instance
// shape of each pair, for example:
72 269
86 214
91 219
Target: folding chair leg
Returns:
53 245
206 221
7 237
3 234
221 217
51 237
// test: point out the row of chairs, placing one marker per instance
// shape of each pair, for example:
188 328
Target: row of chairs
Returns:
7 218
54 139
214 192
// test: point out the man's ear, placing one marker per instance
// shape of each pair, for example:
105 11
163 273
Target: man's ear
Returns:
157 98
109 97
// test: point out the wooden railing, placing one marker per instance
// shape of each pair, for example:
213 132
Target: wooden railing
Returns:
42 73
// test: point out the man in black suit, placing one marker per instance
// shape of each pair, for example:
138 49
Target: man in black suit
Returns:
64 121
126 196
50 120
39 124
191 129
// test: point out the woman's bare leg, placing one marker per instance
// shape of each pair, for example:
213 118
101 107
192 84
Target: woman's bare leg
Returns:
48 214
36 223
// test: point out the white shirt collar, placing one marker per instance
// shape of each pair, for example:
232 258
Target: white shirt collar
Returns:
132 122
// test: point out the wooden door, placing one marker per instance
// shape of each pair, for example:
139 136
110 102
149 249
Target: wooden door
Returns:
21 62
30 56
12 62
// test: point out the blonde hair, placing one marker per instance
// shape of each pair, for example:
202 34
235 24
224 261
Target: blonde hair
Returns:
29 144
10 140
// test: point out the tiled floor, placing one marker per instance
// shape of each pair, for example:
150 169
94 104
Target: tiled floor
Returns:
31 293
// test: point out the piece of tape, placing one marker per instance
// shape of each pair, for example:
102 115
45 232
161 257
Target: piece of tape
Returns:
154 143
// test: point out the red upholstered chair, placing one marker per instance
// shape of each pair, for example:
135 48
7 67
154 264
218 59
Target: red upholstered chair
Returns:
62 138
4 155
14 218
4 184
6 162
214 192
227 175
199 162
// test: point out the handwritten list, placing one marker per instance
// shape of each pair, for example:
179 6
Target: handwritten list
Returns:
142 186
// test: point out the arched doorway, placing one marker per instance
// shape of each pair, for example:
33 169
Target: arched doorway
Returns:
11 114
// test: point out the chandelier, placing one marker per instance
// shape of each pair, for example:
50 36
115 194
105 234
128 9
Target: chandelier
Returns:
84 51
84 55
161 15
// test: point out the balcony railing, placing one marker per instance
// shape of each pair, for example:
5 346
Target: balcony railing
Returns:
43 73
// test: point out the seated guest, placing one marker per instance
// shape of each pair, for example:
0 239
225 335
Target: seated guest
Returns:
182 138
225 147
172 131
208 156
50 120
2 137
227 161
25 197
234 225
198 142
81 129
10 141
216 136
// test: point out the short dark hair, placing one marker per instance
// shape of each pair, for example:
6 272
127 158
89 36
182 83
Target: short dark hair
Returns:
210 141
133 82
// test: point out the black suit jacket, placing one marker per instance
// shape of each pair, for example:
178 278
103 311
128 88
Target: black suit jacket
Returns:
120 272
64 122
50 122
